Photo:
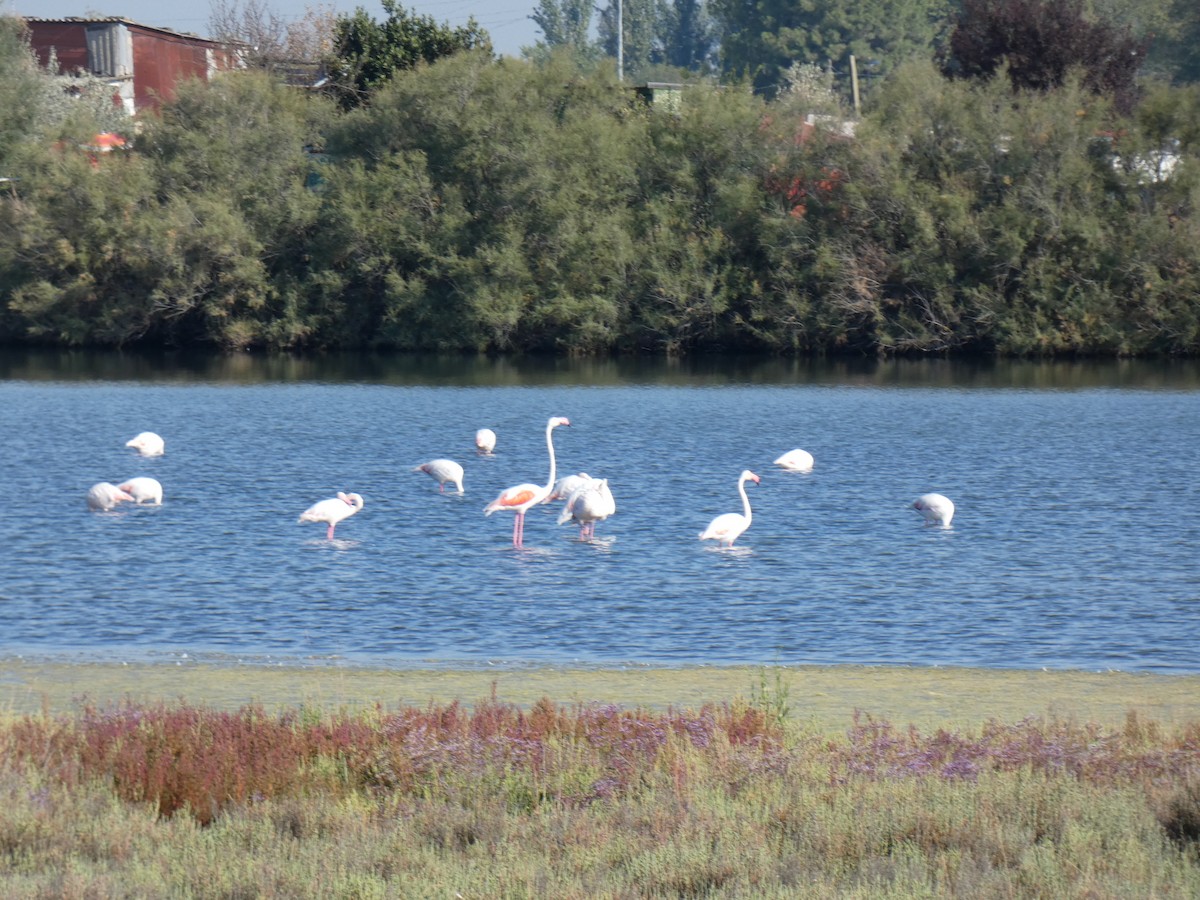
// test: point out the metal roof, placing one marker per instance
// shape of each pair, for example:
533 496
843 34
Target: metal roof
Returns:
106 20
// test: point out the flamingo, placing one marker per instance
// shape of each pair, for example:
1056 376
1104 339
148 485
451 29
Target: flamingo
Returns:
935 508
726 528
485 441
796 461
104 496
143 490
332 511
567 485
443 471
521 497
147 444
588 504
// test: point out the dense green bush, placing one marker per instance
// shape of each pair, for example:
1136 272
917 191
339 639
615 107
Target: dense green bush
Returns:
501 205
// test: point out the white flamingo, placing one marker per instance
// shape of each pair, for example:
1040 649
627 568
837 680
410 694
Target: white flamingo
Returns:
521 497
588 504
796 461
105 495
934 508
332 511
485 441
726 528
567 485
147 444
443 471
143 490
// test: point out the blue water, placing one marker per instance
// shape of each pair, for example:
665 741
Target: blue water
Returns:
1074 545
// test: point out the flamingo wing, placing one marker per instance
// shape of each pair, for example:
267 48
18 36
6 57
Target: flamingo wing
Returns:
725 528
518 498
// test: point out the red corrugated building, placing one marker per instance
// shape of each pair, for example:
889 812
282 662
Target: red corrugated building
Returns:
143 63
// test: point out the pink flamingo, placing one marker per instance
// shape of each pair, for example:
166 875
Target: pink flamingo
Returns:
588 504
332 511
443 471
485 441
147 443
936 509
521 497
567 485
105 495
726 528
796 461
143 490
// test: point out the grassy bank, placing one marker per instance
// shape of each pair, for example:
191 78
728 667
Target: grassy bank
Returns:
226 781
820 696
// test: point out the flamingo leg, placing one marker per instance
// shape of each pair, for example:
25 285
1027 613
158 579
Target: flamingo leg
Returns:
329 533
518 531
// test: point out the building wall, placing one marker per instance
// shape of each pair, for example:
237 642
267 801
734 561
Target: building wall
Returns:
69 40
160 59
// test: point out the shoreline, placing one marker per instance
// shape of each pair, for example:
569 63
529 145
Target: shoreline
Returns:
823 696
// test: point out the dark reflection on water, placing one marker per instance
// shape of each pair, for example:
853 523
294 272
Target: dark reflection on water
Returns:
484 371
1074 544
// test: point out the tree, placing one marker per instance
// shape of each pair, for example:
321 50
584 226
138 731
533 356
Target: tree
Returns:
689 39
564 23
1038 42
761 39
675 34
642 25
273 41
26 93
366 53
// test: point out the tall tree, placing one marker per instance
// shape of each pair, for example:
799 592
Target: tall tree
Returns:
689 40
1039 41
761 39
24 91
366 53
643 25
564 23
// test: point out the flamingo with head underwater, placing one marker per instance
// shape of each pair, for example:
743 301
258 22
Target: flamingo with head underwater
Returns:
105 495
143 490
936 509
796 461
728 527
443 471
147 443
485 441
521 497
332 511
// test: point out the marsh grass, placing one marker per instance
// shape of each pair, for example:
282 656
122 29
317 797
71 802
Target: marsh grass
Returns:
587 800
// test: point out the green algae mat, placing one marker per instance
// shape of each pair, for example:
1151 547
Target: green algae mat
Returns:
825 696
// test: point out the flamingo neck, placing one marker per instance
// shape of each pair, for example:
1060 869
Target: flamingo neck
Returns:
550 448
745 499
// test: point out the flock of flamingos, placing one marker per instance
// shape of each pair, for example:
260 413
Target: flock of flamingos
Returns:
587 500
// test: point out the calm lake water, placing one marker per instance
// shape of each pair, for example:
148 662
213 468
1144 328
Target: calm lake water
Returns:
1074 545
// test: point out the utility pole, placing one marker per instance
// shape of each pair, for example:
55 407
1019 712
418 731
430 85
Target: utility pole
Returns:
854 83
620 43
